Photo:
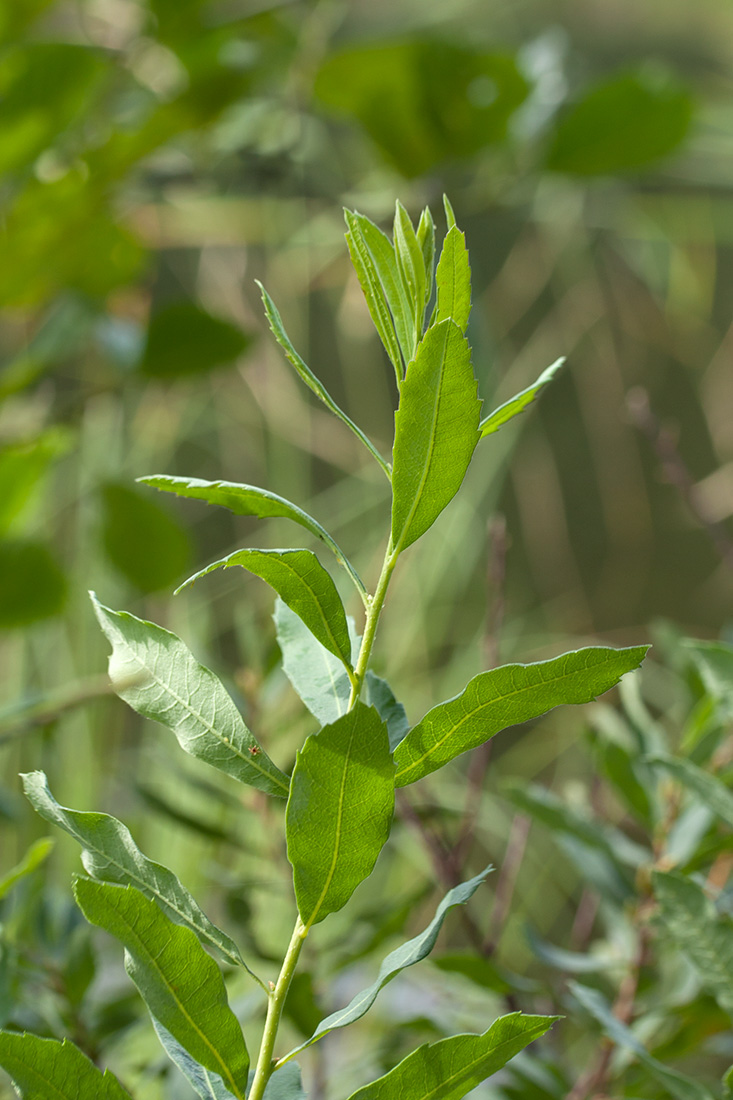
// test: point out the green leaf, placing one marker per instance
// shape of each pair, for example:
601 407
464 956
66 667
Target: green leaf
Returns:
142 540
181 985
712 792
506 696
381 696
307 375
622 124
450 1068
155 672
411 266
304 585
33 858
436 431
317 675
23 465
426 240
517 404
184 340
364 265
450 216
409 953
32 584
384 261
453 279
690 920
284 1084
675 1083
111 855
714 662
46 1069
208 1085
339 811
248 500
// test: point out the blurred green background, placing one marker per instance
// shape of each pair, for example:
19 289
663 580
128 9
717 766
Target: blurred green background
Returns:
156 157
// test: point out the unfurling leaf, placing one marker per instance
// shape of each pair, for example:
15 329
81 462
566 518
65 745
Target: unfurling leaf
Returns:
504 697
436 431
517 404
411 266
450 1068
181 985
152 670
340 810
46 1068
304 585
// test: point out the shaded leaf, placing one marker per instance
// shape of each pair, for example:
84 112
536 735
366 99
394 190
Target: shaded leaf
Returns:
306 374
208 1085
155 672
453 280
683 1088
426 240
181 985
712 792
714 661
248 500
318 677
450 1068
435 431
304 585
505 696
339 811
411 266
33 858
517 404
623 123
407 954
111 855
22 468
32 585
381 696
141 539
183 339
45 1068
284 1084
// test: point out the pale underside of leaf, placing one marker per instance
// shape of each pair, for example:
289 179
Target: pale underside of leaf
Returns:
517 404
318 677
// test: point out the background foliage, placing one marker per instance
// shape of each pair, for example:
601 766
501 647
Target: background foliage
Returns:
156 157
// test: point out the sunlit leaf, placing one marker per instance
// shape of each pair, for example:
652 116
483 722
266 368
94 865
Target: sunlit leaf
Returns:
181 985
339 811
46 1069
144 541
506 696
517 404
32 584
453 280
155 672
373 291
22 469
183 339
426 240
410 264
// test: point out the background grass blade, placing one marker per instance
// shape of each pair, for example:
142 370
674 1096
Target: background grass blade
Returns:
181 985
46 1069
174 689
505 696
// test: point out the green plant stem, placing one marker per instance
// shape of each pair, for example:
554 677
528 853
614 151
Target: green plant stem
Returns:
374 610
265 1063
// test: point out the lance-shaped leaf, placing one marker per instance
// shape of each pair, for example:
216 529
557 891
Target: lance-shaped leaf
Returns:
384 259
690 920
33 858
208 1085
450 1068
181 985
426 240
339 811
411 266
373 291
406 955
155 672
318 677
314 384
677 1085
517 404
712 791
504 697
47 1068
714 661
248 500
436 431
453 279
111 855
381 696
304 585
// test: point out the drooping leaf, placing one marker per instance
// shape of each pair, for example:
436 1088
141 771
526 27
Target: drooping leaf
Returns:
411 265
46 1069
712 792
156 673
453 280
111 855
339 811
181 985
306 374
381 696
517 404
370 283
208 1085
689 918
32 584
318 677
183 339
304 585
436 431
506 696
248 500
142 540
677 1085
409 953
33 858
450 1068
622 124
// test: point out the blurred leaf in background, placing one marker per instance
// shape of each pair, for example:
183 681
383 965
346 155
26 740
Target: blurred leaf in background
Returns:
142 539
